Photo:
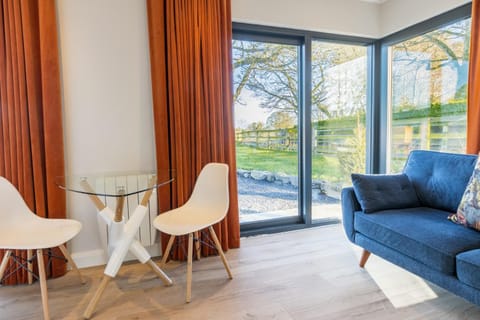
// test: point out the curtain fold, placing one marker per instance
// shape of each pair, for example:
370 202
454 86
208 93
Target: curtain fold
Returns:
31 135
473 113
190 53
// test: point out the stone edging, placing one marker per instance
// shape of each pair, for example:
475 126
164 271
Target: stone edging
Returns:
281 178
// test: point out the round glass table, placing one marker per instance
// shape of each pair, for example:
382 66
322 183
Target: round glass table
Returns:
121 232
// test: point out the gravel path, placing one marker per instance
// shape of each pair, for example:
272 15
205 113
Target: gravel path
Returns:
263 196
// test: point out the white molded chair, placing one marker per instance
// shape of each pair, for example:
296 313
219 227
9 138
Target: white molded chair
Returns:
21 229
207 205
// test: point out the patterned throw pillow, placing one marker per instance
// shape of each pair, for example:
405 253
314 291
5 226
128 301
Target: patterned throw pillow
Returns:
468 212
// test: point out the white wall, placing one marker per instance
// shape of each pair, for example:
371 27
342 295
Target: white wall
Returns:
106 78
351 17
398 14
107 100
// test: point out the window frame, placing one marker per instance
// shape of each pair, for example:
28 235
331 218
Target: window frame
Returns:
377 113
303 38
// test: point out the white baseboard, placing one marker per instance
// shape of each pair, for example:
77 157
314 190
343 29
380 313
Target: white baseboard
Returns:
90 258
98 257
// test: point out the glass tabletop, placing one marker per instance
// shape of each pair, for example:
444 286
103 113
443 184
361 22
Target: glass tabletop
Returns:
115 184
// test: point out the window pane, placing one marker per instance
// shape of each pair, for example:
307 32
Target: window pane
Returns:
339 82
428 83
266 122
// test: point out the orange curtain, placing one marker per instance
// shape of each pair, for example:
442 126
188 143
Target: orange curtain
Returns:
190 53
31 133
473 117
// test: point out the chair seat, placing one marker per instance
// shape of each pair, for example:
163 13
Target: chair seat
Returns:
37 233
185 220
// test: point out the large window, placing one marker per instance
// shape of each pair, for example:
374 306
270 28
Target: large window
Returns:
312 108
300 110
427 98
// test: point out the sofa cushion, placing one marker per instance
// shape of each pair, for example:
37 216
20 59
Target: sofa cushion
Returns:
439 178
468 268
468 213
423 234
377 192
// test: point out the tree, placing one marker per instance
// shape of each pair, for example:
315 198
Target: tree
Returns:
254 126
271 72
352 157
433 51
281 120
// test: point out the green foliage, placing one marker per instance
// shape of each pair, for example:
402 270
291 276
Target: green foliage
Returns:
352 158
339 122
281 120
434 110
461 93
254 126
340 145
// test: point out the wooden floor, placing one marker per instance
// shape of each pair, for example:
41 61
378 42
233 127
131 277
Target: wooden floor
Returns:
307 274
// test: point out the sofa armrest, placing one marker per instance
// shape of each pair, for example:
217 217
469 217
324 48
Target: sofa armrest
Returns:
350 204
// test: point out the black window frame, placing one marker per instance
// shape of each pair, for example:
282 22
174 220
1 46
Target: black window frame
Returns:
303 39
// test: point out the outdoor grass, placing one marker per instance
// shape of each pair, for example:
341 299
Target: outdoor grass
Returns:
249 158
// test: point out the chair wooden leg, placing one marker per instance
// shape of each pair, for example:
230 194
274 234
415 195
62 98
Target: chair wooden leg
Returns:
189 268
220 251
96 297
197 245
29 266
43 284
3 266
167 251
71 262
364 258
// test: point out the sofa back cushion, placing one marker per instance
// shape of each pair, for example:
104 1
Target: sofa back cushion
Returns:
439 178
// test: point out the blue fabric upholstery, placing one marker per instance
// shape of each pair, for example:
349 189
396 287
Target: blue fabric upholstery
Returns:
423 234
377 192
439 178
349 204
446 281
468 268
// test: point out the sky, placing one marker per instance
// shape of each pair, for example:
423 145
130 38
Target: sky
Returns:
250 111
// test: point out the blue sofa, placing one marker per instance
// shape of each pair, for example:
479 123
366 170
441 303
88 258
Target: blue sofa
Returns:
421 238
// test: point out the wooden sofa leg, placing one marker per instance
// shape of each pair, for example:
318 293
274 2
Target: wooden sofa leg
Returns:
364 258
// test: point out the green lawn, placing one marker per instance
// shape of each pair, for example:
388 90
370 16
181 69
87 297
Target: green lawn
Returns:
249 158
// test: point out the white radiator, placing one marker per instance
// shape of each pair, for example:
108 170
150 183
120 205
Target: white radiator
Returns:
147 234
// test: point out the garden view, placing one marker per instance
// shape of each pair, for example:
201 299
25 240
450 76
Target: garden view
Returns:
427 107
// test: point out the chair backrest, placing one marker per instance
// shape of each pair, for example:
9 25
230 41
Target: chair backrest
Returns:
210 193
12 205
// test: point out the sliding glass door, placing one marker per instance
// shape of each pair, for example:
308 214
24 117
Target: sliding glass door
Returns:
266 102
300 107
339 99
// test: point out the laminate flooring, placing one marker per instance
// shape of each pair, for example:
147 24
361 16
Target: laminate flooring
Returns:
306 274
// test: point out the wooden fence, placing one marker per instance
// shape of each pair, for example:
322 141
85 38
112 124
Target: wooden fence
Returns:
445 133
